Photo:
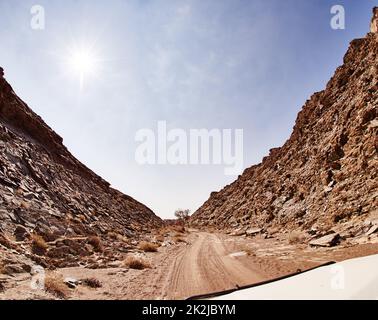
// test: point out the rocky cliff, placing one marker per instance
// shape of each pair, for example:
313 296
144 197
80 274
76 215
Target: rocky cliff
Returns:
46 192
374 21
325 176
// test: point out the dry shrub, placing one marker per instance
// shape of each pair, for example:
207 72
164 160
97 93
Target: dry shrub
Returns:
116 236
92 282
172 229
178 234
159 238
178 239
177 228
180 229
163 231
25 205
39 245
148 246
122 238
96 243
136 263
295 237
55 285
247 250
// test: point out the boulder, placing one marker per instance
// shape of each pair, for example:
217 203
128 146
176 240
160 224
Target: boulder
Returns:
253 231
326 241
21 234
238 232
12 269
372 230
71 282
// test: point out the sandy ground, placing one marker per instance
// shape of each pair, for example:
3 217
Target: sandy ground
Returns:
206 266
207 262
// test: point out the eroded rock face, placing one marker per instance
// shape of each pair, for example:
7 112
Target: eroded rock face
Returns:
44 190
326 173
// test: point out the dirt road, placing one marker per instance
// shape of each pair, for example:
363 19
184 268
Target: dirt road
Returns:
206 265
202 263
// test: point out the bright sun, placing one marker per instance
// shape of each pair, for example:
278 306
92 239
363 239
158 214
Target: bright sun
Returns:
82 63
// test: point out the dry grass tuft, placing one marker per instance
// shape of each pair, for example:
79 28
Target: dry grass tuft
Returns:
92 282
164 231
55 285
148 246
25 205
96 243
295 237
159 238
136 263
122 238
178 234
118 237
39 245
178 239
180 229
247 250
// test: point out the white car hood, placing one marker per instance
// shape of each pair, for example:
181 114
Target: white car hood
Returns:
350 279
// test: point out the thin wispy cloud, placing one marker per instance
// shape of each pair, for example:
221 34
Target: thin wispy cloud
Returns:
196 64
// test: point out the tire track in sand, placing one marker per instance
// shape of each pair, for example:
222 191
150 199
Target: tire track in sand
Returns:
205 266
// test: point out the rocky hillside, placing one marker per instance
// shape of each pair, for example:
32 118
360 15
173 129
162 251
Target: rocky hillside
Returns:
46 193
324 178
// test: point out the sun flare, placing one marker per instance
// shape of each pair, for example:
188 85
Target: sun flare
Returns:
83 63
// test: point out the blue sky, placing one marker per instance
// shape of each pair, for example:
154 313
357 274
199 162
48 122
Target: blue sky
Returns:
248 64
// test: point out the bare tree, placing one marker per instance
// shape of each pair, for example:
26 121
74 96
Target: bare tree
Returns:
182 215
